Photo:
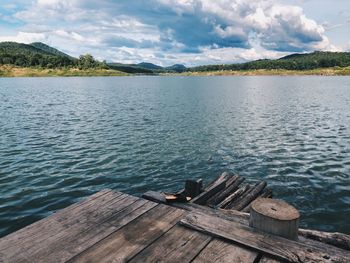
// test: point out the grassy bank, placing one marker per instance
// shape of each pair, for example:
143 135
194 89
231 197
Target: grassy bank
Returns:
13 71
336 71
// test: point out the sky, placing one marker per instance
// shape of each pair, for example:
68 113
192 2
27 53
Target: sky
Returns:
190 32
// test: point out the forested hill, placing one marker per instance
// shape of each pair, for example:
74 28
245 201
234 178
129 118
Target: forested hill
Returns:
41 55
291 62
49 49
36 54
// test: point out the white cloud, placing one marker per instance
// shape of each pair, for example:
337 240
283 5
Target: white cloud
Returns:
25 37
171 31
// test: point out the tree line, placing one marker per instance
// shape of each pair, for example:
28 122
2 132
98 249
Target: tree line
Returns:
292 62
23 55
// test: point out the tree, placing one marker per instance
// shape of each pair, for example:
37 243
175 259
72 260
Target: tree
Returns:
86 61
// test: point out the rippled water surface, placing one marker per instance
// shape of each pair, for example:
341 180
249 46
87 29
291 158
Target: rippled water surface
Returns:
65 138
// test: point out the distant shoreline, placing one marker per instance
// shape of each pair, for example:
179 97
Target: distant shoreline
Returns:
14 71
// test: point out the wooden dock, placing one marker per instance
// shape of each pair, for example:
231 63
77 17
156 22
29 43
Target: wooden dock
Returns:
115 227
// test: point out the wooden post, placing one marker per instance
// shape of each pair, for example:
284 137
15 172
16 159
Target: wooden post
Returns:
274 217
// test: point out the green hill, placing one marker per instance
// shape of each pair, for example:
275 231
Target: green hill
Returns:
291 62
24 55
49 49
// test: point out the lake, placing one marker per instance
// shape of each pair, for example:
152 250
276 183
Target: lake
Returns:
62 139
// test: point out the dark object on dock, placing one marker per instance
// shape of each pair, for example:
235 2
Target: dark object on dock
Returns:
226 191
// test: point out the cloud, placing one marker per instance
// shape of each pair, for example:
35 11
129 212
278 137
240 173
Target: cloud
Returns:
24 37
166 30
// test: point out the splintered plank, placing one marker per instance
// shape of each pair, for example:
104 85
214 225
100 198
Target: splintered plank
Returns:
179 244
230 188
210 191
249 196
281 248
214 199
78 232
133 237
266 259
221 251
232 197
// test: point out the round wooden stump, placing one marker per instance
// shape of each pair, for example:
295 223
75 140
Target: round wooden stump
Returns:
274 217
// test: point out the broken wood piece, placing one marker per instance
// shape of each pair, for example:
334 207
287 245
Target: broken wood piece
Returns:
284 249
336 239
249 197
209 192
220 178
233 197
231 185
275 217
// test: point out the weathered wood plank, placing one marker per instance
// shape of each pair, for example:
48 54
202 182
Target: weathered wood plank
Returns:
79 234
243 218
203 197
246 190
218 197
38 232
336 239
249 197
232 197
273 245
91 236
220 178
221 252
179 244
267 259
133 237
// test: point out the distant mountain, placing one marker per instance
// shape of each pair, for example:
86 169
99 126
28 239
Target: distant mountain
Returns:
130 68
49 49
150 66
146 68
296 61
177 68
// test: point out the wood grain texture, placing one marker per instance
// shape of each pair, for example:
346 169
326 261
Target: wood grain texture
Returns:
20 243
232 197
133 237
267 259
179 244
266 193
336 239
274 217
249 197
83 230
219 196
276 246
207 194
219 251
